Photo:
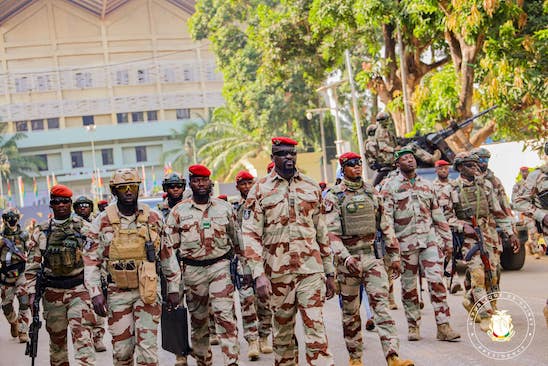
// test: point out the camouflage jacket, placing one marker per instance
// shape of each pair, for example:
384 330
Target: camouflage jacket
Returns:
499 191
344 246
414 217
516 191
100 235
284 229
439 188
201 232
239 210
385 145
528 200
19 239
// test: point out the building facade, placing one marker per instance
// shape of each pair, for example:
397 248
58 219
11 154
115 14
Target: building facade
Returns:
99 85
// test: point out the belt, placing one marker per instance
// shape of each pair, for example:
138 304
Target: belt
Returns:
207 262
64 282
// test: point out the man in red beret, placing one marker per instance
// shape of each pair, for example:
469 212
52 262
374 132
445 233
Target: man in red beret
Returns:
269 167
57 246
287 249
204 230
256 313
101 205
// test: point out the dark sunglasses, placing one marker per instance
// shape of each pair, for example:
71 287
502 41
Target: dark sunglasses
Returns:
58 201
134 188
353 162
483 160
469 165
83 205
175 185
282 153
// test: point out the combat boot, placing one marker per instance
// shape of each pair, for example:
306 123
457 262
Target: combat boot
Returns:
456 287
14 330
484 324
394 360
253 351
264 346
99 346
355 362
546 313
213 339
446 333
180 361
470 310
413 333
23 337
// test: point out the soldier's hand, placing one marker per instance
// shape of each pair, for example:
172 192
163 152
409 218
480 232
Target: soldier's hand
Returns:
469 231
263 286
99 305
353 265
31 301
330 287
172 300
396 269
515 243
449 253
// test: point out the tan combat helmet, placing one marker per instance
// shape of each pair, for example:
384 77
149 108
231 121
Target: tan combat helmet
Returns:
11 211
383 118
481 152
370 130
463 157
124 176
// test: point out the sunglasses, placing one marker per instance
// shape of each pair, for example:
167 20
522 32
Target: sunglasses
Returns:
175 185
58 201
134 188
83 205
469 165
483 160
353 162
282 153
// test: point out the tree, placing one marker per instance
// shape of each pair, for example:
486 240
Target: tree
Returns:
12 163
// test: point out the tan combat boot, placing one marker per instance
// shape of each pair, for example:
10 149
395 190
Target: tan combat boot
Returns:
23 337
446 333
253 351
99 346
180 361
14 330
264 346
355 362
413 334
394 360
484 324
213 340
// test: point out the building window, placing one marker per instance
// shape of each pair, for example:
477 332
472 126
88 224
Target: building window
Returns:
122 117
88 120
83 80
77 159
22 84
37 124
183 113
53 123
43 158
108 156
152 116
21 126
140 153
142 77
137 116
122 77
42 83
187 75
169 75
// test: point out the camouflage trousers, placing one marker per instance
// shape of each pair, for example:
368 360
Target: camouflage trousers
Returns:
7 295
133 326
205 285
98 330
64 309
374 277
430 261
476 284
256 313
306 294
388 269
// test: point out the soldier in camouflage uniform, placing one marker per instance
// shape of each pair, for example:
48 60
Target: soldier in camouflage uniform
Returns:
125 239
470 197
13 258
352 214
55 248
287 248
83 207
533 201
101 205
416 223
256 313
174 185
205 232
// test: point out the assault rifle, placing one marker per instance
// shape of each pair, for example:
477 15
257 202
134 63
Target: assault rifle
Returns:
234 275
458 241
379 246
480 246
13 249
32 344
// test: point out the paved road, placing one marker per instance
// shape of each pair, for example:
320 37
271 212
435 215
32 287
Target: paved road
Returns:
531 284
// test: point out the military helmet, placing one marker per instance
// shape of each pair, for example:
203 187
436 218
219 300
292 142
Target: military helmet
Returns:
172 178
11 211
382 116
82 199
481 152
124 176
464 157
370 130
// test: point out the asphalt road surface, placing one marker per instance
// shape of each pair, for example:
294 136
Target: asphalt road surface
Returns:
530 284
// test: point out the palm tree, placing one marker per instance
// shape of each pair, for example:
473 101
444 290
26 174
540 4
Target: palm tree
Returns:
12 164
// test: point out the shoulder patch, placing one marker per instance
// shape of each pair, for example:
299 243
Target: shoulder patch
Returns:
247 214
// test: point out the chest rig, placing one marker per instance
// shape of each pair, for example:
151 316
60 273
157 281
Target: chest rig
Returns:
472 201
64 244
12 255
357 213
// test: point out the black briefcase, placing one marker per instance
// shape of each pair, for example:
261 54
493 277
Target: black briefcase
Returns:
174 326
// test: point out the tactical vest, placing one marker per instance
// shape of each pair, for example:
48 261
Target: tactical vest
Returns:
64 246
127 248
12 263
472 202
357 214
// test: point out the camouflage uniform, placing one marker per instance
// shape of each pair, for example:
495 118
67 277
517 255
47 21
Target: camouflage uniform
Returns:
533 234
58 245
373 275
133 322
256 312
529 200
12 281
206 237
285 238
416 224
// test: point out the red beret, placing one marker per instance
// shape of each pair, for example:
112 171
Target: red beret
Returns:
283 141
60 190
269 167
322 185
524 168
243 175
441 163
199 170
223 197
102 202
348 156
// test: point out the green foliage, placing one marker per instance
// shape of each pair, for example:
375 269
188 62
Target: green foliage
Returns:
12 164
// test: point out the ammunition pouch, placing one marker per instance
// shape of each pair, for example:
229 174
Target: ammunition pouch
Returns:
10 274
64 282
64 257
148 282
124 273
